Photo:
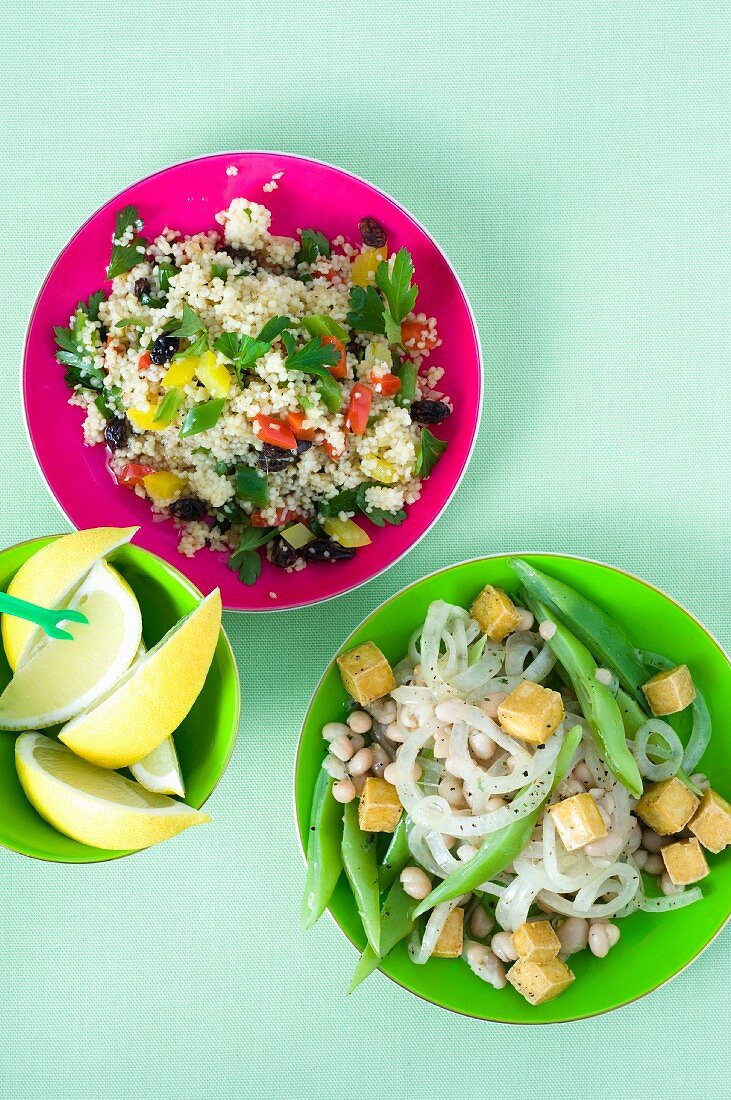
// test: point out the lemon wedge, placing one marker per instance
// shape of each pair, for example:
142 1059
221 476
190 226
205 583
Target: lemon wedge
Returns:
92 805
50 577
61 678
159 771
153 697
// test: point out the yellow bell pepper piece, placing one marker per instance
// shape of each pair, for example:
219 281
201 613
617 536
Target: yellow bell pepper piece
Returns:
179 374
212 374
298 535
366 264
346 532
163 486
144 419
381 471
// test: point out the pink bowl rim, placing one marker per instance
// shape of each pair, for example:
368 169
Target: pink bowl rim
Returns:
316 600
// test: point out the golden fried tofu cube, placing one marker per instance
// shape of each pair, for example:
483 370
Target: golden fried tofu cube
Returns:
449 944
531 712
366 673
667 807
537 941
539 982
379 809
684 862
670 691
578 821
711 822
495 612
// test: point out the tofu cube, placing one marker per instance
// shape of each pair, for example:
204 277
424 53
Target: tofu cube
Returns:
539 982
531 712
711 822
495 612
667 807
536 941
578 821
684 862
366 673
379 809
449 944
670 691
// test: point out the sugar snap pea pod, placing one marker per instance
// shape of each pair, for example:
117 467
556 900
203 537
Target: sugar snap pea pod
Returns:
597 702
602 636
324 861
396 857
701 731
397 920
359 861
503 846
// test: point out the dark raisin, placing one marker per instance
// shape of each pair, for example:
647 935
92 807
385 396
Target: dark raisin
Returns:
429 412
164 349
356 349
142 288
238 254
303 445
187 508
372 232
116 433
328 550
274 458
282 554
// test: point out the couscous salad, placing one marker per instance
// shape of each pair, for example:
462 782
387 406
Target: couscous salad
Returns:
264 393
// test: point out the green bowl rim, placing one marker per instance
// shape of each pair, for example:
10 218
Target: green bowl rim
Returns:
195 591
300 829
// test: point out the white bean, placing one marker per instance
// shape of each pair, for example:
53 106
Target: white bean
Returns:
451 790
383 710
614 933
416 883
502 945
359 782
482 745
344 790
668 887
640 857
651 842
357 740
571 786
582 774
335 729
608 802
489 706
606 818
334 767
441 745
495 802
547 629
475 953
526 620
654 864
603 676
701 780
341 747
608 847
481 922
361 762
573 935
360 721
381 760
635 836
389 774
396 733
601 939
466 851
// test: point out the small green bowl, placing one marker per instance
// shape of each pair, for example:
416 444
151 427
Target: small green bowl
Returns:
204 742
653 948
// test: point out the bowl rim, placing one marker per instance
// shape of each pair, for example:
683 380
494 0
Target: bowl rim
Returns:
299 830
407 213
195 591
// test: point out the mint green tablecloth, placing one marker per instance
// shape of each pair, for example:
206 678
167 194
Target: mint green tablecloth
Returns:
572 158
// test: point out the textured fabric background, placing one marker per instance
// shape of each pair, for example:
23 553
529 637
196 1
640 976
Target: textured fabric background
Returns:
572 158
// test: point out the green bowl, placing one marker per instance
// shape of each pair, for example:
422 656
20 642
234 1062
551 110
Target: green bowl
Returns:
653 948
204 742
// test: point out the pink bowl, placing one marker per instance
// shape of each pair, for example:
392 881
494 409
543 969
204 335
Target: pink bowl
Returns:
187 197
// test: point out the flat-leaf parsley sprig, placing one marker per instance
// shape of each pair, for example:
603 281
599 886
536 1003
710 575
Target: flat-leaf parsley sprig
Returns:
129 247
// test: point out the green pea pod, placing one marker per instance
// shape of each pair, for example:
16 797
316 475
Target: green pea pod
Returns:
597 702
359 861
501 847
324 861
396 857
602 636
397 920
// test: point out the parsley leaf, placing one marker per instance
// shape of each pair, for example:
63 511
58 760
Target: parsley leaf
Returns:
82 369
274 328
313 354
126 256
190 325
342 502
245 560
393 331
379 516
428 453
312 245
366 310
242 351
288 341
131 322
92 306
396 285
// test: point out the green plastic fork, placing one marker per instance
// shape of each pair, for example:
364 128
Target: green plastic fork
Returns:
45 617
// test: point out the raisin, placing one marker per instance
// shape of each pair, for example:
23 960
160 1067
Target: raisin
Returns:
303 445
328 550
282 554
187 508
272 459
372 232
116 433
429 412
142 288
164 349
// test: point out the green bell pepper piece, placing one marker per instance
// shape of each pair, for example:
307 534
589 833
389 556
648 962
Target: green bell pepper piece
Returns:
320 325
202 417
324 860
251 485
